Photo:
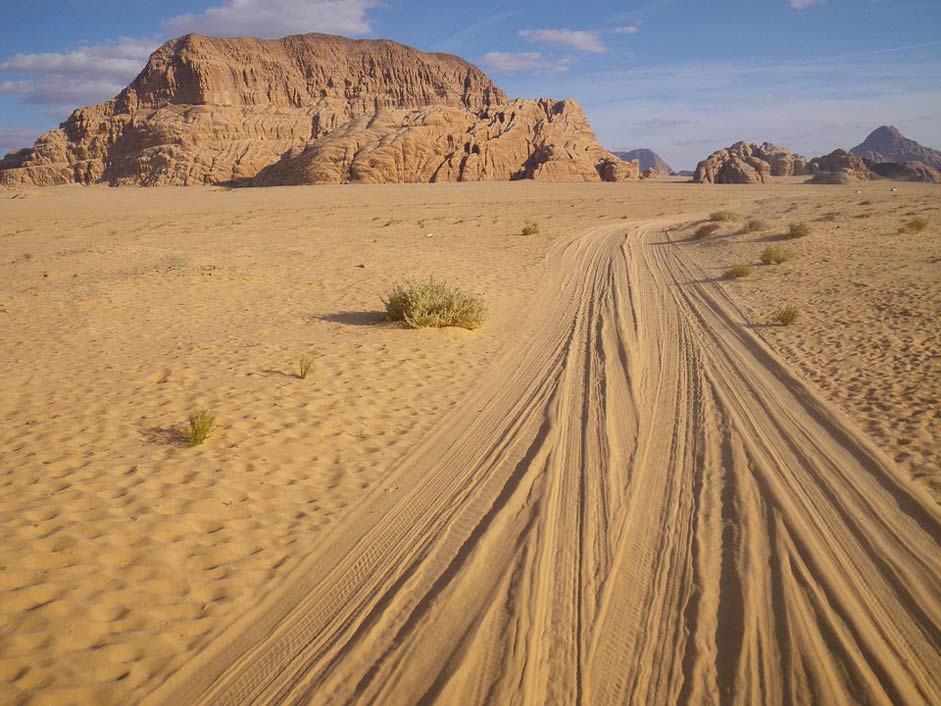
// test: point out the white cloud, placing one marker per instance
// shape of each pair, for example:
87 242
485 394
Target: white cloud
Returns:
628 29
120 59
14 138
575 39
16 86
276 18
804 4
523 61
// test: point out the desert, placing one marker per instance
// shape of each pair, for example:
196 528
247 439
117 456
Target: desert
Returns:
333 373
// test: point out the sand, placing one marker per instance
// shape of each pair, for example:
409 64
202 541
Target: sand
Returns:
624 488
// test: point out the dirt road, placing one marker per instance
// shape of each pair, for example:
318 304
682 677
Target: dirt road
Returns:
639 504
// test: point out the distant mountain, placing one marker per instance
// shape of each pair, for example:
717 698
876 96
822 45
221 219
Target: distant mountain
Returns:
648 160
887 144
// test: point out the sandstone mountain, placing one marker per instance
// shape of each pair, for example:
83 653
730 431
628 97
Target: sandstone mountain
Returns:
222 111
648 159
746 163
887 144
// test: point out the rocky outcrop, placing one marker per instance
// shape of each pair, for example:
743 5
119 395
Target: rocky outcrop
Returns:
909 171
887 144
648 159
651 173
839 167
523 139
746 163
210 111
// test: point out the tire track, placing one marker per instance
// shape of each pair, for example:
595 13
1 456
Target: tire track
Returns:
638 504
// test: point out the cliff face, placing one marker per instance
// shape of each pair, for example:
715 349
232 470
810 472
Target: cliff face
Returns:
208 110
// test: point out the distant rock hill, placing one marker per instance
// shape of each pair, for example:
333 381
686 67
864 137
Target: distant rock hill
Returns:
842 167
648 159
887 144
746 163
310 109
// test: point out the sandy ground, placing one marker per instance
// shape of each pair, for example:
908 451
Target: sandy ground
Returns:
625 488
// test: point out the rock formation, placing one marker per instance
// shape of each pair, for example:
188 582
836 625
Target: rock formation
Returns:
887 144
648 159
839 167
210 111
745 163
651 173
522 139
908 171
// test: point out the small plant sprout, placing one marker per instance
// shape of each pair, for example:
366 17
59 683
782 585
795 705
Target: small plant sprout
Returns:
775 255
736 271
530 228
797 230
201 425
786 315
304 364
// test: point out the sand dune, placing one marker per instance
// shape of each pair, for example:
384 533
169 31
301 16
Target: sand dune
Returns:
615 492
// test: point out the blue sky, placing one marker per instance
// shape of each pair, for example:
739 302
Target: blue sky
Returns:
683 77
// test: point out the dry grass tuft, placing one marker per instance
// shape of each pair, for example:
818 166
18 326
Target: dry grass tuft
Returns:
725 216
434 304
530 228
787 315
797 230
736 271
775 255
705 230
916 225
753 225
201 425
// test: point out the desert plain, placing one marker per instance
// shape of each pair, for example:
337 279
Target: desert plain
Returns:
630 485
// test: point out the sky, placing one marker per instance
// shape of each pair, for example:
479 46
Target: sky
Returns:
682 77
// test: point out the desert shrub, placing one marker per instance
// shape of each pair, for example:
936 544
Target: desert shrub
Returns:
798 230
916 225
435 304
304 364
725 216
786 315
753 225
736 271
530 228
775 255
176 261
705 230
201 425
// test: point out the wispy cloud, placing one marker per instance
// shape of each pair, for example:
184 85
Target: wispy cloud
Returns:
16 86
627 29
498 61
574 39
804 4
276 18
13 138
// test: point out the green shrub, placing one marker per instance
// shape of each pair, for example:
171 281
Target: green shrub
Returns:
736 271
725 216
753 225
916 225
798 230
434 304
530 228
775 255
786 315
202 423
304 364
705 230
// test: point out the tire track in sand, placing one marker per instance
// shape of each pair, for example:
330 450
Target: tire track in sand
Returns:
639 504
